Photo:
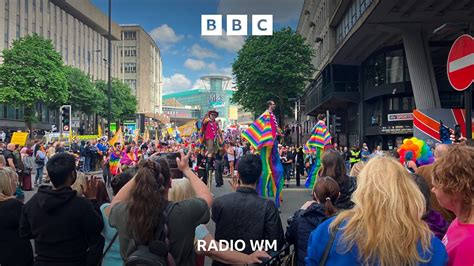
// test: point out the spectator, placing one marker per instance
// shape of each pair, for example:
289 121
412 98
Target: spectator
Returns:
333 166
138 200
88 157
426 171
243 214
357 168
365 153
66 228
15 251
112 254
40 161
9 157
182 190
220 163
201 164
29 164
312 214
435 221
388 202
453 184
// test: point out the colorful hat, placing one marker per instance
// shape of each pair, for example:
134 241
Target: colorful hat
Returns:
213 112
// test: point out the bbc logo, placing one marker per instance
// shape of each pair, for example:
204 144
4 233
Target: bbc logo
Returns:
211 25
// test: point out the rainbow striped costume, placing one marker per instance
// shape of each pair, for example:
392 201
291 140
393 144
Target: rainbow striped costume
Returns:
114 163
319 139
262 135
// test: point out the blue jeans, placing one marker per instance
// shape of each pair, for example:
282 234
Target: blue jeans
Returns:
39 175
87 164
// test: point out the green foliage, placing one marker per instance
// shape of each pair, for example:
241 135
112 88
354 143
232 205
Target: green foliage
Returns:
123 103
83 95
272 67
32 71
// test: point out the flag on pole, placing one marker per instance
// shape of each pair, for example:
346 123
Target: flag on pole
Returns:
137 134
99 132
118 137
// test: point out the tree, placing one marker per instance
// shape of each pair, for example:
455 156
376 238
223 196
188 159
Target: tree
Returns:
83 95
32 72
123 102
272 68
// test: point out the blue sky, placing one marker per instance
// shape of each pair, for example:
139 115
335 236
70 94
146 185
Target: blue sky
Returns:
176 27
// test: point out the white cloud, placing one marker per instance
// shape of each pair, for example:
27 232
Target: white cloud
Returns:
282 10
229 43
165 36
201 52
198 83
177 82
196 65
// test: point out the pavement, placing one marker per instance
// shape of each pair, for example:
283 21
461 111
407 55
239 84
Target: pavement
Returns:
293 198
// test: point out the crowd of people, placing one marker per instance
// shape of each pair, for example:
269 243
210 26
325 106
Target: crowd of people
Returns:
366 208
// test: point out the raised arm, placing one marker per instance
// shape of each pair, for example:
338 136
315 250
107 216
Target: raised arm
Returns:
199 187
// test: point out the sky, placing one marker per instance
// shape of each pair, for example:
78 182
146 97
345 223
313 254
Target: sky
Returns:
175 25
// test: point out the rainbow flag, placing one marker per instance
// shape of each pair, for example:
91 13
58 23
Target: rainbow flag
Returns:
320 137
261 133
262 136
114 163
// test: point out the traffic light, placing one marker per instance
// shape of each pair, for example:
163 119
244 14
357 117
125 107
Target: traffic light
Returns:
335 124
66 118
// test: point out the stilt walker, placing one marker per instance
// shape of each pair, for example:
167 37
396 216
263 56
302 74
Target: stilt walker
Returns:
263 136
319 140
210 138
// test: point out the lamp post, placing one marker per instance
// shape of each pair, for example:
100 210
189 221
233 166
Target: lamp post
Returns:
109 60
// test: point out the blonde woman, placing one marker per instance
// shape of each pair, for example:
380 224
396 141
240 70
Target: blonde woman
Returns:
14 250
181 189
356 169
385 226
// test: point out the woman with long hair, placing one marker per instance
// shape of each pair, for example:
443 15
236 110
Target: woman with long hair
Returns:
139 207
453 184
385 226
40 160
14 250
312 214
333 165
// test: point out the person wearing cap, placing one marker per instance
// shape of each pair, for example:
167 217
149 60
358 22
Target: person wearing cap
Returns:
210 132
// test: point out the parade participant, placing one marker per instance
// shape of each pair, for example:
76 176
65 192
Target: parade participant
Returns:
210 135
319 140
262 135
114 161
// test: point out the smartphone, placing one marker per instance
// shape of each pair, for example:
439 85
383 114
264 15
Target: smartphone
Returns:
457 133
171 158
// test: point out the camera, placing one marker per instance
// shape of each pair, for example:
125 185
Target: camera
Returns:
171 158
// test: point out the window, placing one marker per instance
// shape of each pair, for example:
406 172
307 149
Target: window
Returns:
129 68
128 51
130 35
351 17
132 83
26 17
394 66
18 19
7 14
393 104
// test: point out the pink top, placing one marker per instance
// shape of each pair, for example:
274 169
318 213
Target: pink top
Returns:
459 242
211 129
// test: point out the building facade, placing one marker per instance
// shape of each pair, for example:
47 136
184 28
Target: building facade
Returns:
376 61
206 100
141 68
79 33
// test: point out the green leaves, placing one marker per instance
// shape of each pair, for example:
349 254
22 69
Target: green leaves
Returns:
32 71
123 103
272 67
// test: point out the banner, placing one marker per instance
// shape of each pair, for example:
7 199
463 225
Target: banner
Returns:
118 137
19 138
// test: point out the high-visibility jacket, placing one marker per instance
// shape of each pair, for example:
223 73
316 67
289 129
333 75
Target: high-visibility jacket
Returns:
355 156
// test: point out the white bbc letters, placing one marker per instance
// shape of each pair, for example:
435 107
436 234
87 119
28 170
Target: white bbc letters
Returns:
237 25
211 25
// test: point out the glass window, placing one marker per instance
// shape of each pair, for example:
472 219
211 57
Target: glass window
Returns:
7 14
130 35
129 67
379 67
394 66
393 104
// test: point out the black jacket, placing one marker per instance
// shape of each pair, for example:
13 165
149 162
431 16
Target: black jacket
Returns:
66 228
346 188
244 215
303 222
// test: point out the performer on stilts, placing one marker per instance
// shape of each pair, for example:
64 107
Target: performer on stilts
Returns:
263 136
210 136
319 140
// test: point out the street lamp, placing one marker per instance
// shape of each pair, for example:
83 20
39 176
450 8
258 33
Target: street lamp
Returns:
110 68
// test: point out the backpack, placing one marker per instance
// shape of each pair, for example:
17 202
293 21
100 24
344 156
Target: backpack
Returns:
156 253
